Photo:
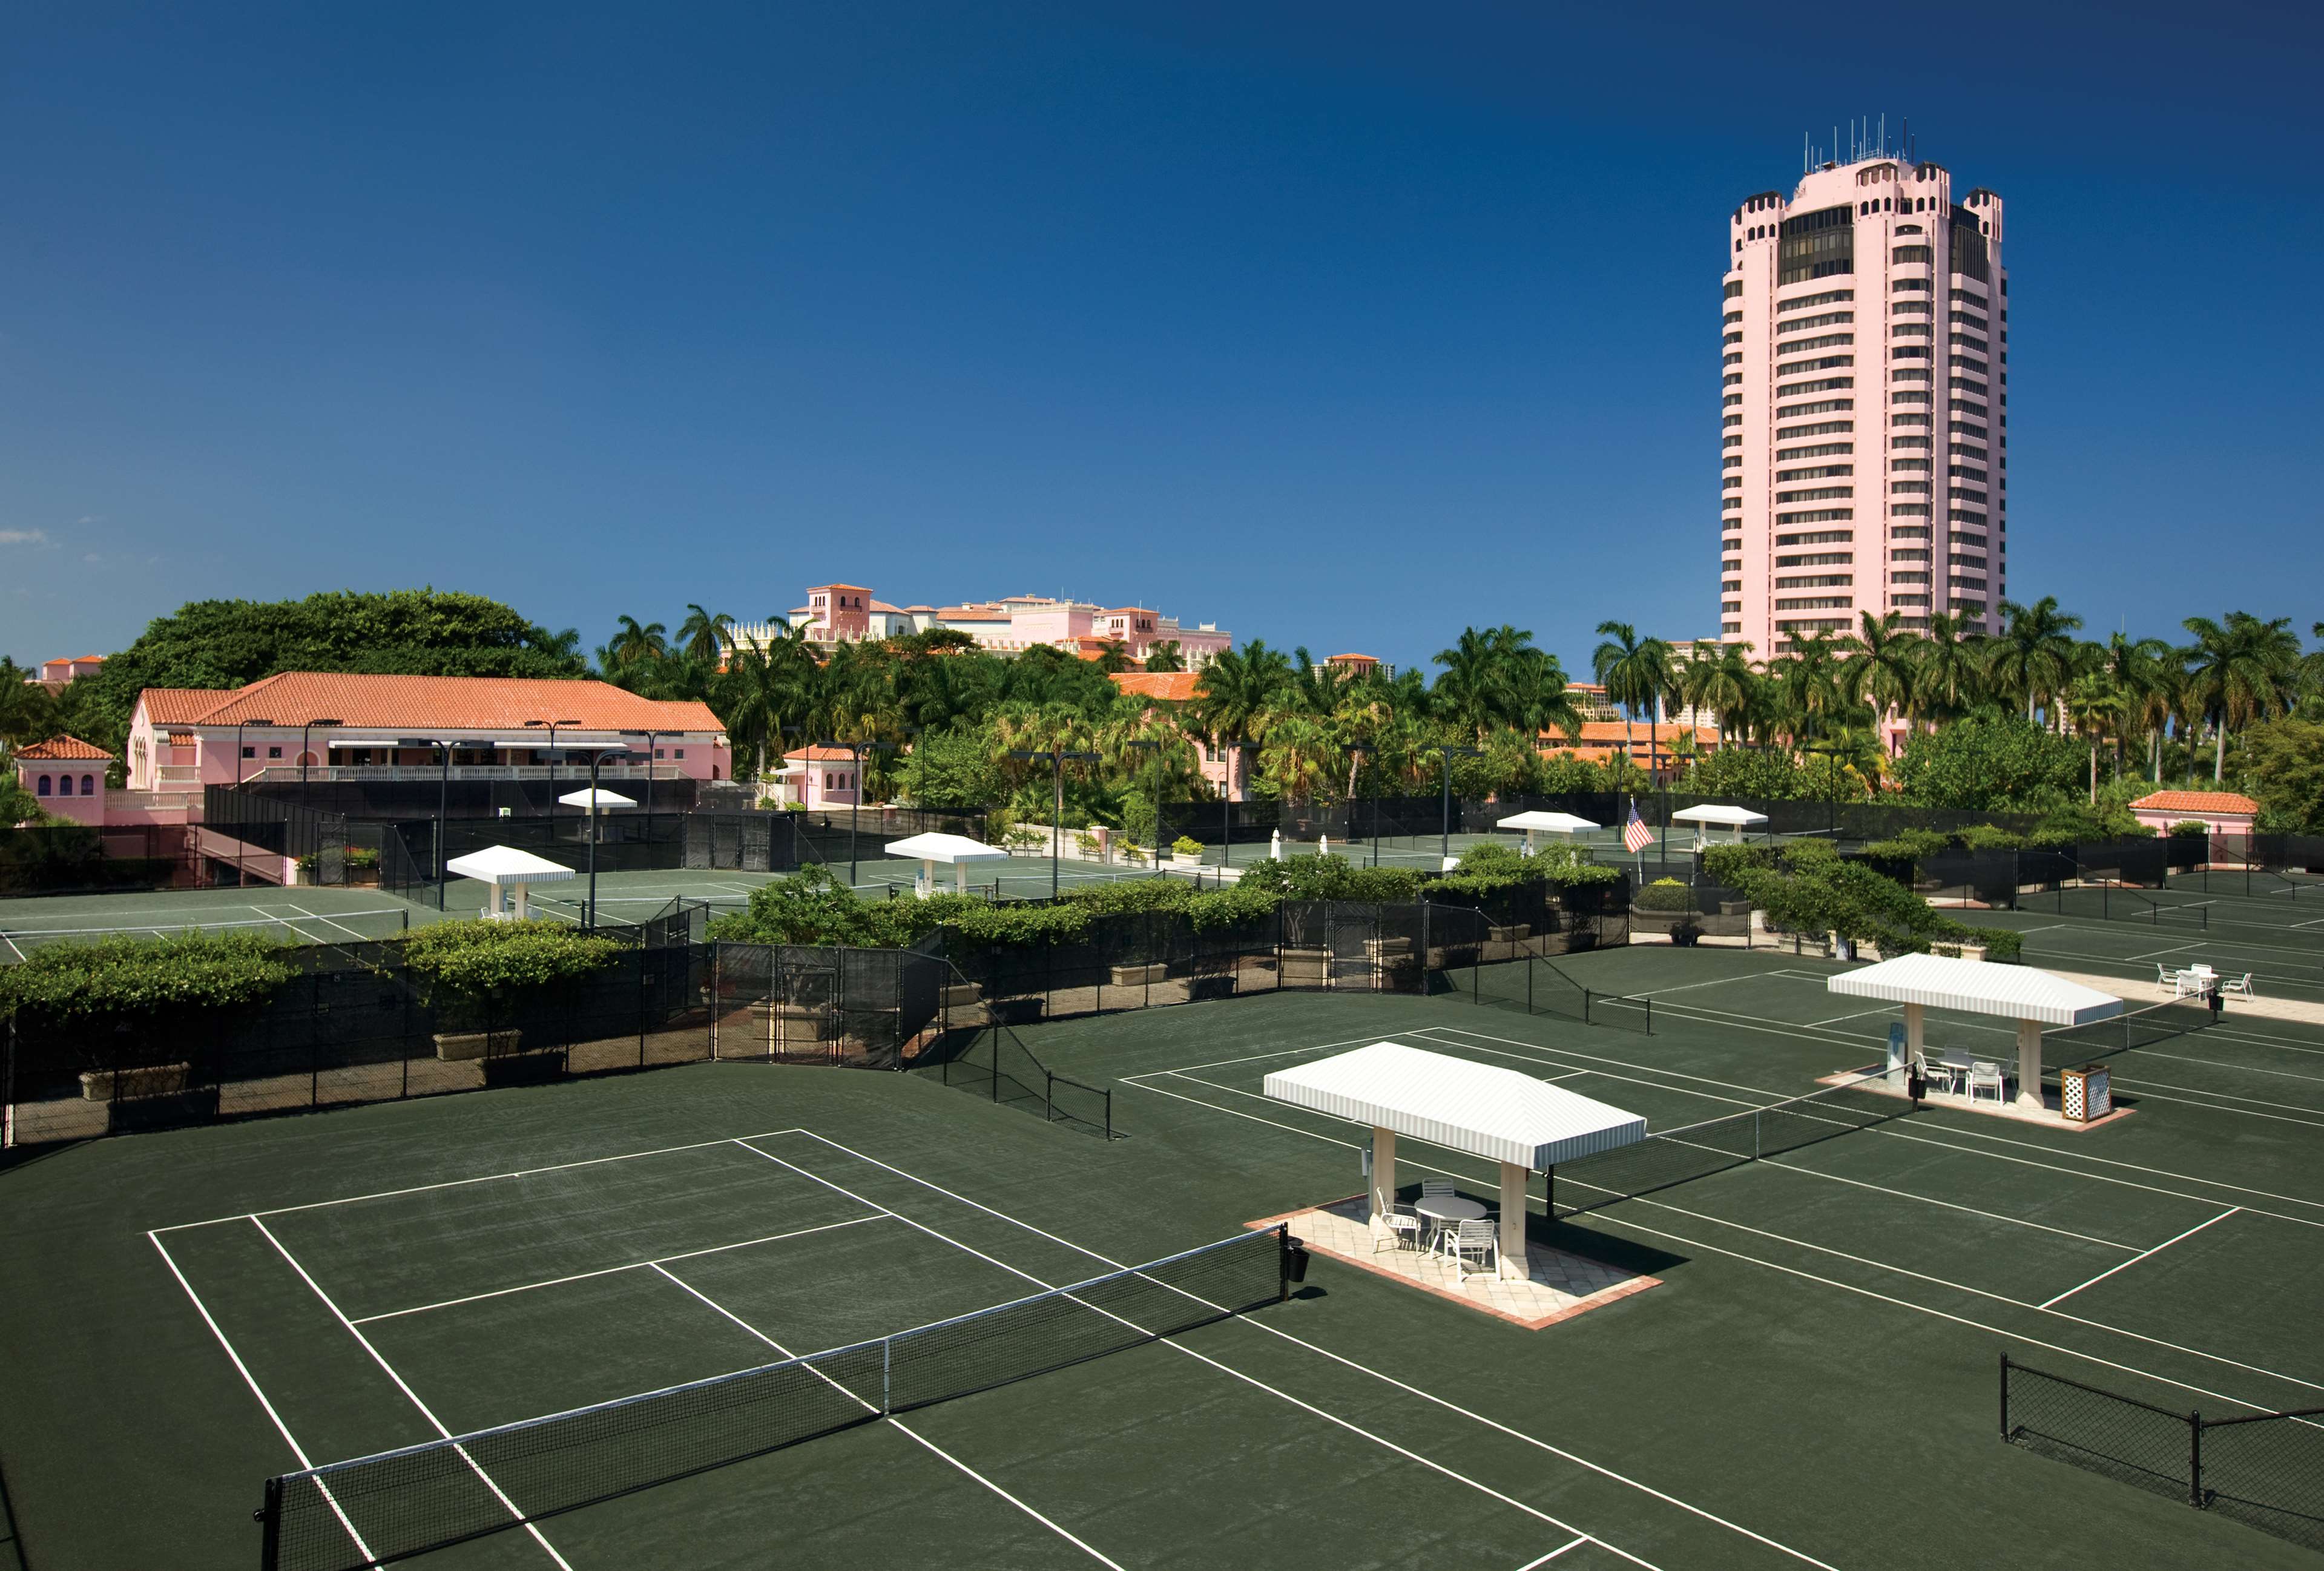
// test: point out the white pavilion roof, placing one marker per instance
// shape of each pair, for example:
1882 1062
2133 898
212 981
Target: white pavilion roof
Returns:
1487 1111
1553 823
599 798
500 864
1717 813
1978 987
947 848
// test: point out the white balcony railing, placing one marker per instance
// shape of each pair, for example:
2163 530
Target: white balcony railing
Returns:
320 773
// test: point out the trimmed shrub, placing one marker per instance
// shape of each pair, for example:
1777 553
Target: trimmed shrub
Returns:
2189 830
1186 846
1727 864
193 970
1664 894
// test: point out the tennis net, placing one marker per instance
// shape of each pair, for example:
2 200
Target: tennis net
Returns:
1697 1150
376 1510
2071 1046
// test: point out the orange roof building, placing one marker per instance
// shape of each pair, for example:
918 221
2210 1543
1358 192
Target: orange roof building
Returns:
2219 812
357 726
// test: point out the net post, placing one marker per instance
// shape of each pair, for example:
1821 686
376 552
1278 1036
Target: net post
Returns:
1650 1016
2005 1394
270 1533
1283 1262
887 1392
2195 1459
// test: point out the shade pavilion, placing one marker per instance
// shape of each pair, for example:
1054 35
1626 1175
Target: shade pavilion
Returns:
1541 823
1499 1114
957 850
2032 998
1718 816
508 869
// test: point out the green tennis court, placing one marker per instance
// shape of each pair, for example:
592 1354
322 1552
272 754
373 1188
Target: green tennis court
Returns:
196 1311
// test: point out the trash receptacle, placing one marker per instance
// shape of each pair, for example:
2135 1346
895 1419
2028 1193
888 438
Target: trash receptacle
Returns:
1297 1263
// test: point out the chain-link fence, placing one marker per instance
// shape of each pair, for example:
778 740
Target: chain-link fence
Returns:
238 823
2266 1470
87 859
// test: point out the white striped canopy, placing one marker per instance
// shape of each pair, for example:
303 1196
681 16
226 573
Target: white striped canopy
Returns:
945 848
1549 823
505 864
1487 1111
1976 987
1717 813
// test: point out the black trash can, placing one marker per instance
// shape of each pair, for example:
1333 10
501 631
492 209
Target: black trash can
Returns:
1296 1264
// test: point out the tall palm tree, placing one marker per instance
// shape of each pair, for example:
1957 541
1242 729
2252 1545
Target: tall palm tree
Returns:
1236 697
1951 680
635 645
1808 686
2139 670
1315 689
1884 666
758 695
1300 754
1165 656
2035 656
2245 669
1721 678
2096 707
1634 672
703 637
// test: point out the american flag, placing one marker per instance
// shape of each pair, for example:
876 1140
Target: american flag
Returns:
1636 835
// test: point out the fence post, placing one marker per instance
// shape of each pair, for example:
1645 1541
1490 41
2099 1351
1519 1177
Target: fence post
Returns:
270 1532
2195 1460
2004 1394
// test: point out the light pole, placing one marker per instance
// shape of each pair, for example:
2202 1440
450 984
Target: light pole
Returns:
305 731
1444 844
854 802
1153 746
238 747
596 752
1056 757
1364 751
552 726
242 855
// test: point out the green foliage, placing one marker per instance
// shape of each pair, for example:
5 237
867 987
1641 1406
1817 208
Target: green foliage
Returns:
1771 774
469 961
1186 846
2190 829
2281 767
17 805
2003 944
1728 865
1812 890
2077 822
1997 763
1565 772
1664 894
134 976
1329 878
1910 846
951 768
1989 838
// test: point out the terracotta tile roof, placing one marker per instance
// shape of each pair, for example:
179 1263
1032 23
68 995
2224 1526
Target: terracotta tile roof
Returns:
181 705
820 755
1605 736
182 739
64 748
290 698
1170 687
2196 802
811 588
1335 659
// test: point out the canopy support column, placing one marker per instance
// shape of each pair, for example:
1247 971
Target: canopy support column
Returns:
1916 1021
1514 1266
522 911
1383 1178
2029 1063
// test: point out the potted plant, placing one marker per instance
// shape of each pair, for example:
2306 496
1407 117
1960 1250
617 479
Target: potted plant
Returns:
474 974
1186 850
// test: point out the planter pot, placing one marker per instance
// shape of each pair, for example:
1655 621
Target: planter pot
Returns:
1179 859
1516 934
458 1047
961 995
149 1080
1387 951
1137 976
1304 967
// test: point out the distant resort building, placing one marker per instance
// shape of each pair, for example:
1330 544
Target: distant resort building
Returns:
836 613
56 675
2219 812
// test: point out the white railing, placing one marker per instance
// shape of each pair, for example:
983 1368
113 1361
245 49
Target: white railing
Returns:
578 773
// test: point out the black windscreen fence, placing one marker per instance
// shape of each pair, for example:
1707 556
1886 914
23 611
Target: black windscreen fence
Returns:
622 841
314 838
2262 1469
352 1024
85 859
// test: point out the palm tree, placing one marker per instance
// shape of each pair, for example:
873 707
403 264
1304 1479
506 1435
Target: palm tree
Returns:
2244 671
1164 656
1635 672
1951 680
2097 707
2035 656
703 638
1114 657
1807 686
1299 753
1236 697
1721 678
758 694
2138 668
634 646
1886 667
1315 689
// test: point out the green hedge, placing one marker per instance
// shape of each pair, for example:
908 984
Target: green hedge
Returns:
1810 888
129 976
1664 894
464 967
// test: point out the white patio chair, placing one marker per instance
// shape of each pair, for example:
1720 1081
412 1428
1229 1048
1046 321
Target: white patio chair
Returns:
1403 1230
1986 1076
2237 984
1941 1073
1479 1241
2165 978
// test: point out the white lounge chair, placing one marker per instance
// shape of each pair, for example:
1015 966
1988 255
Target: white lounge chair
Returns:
1986 1076
1477 1241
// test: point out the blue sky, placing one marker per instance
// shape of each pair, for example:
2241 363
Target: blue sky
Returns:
1340 325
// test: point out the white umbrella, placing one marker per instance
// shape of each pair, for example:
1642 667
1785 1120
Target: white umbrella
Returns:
1720 815
595 798
1537 822
958 850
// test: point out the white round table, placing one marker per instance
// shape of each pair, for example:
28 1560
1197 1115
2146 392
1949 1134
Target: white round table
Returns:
1450 1208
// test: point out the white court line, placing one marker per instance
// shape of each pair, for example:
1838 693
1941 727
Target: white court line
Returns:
1258 1324
424 1411
1553 1554
1859 1014
4 939
298 1452
2141 1255
610 1271
1252 1058
1177 1346
1947 1205
897 1423
304 914
479 1179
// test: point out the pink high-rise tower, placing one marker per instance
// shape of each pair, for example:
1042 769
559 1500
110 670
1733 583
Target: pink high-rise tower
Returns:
1863 421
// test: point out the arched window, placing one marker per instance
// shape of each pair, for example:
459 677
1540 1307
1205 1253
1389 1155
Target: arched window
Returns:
43 789
88 785
64 785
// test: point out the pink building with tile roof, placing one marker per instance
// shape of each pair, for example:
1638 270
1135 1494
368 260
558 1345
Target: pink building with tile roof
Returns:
849 612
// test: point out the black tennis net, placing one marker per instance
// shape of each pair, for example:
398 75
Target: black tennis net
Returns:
375 1510
2071 1046
1679 1156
